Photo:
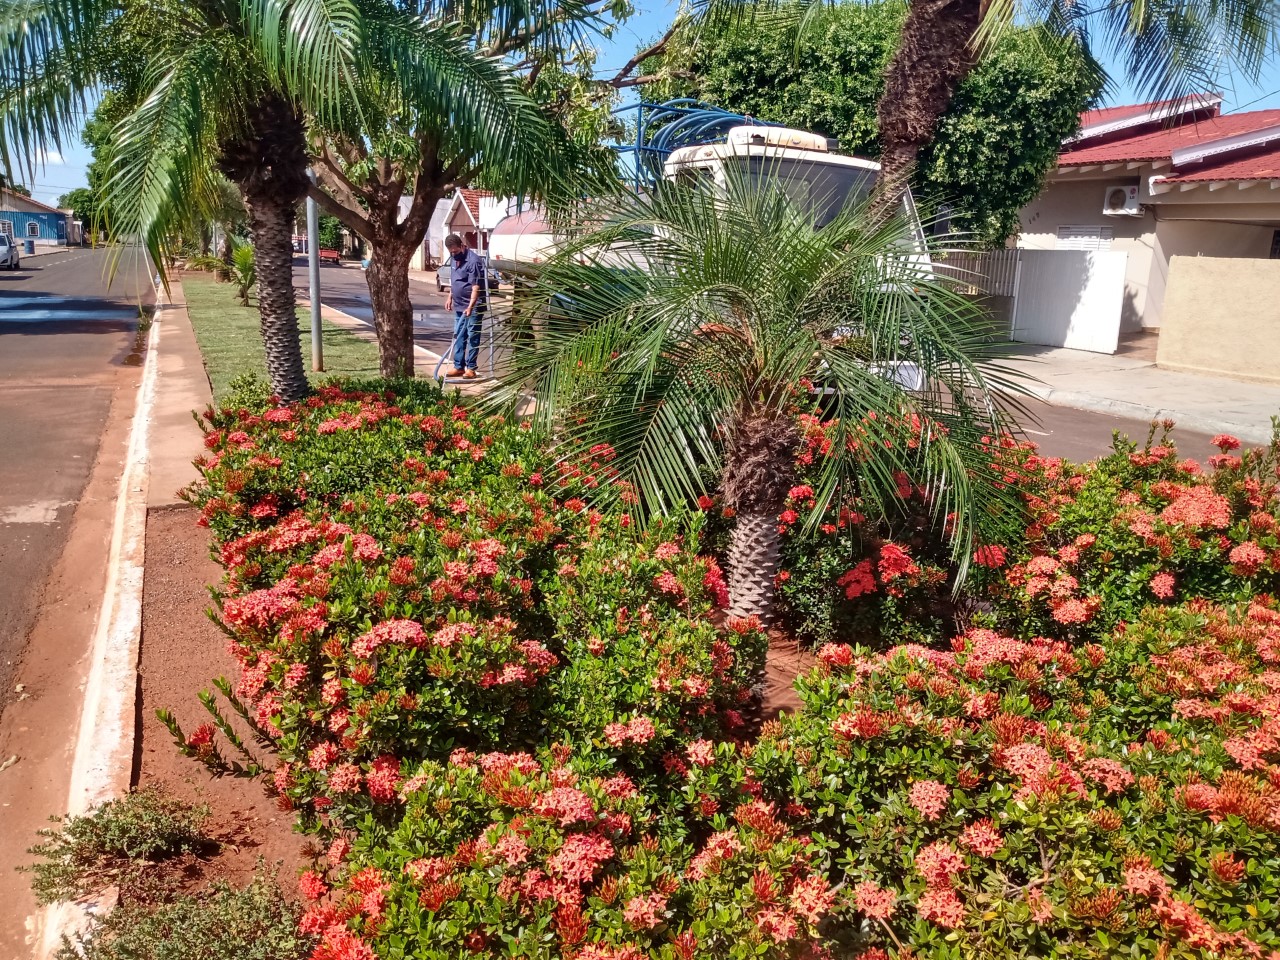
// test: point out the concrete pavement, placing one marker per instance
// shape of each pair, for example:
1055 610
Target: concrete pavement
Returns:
1123 386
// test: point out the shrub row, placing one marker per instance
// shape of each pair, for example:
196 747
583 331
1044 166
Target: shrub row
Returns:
520 723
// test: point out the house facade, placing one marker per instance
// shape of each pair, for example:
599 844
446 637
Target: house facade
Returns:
1183 203
25 219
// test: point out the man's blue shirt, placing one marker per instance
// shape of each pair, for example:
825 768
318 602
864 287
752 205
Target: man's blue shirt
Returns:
463 276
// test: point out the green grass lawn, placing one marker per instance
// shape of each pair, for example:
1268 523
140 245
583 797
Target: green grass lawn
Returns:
229 339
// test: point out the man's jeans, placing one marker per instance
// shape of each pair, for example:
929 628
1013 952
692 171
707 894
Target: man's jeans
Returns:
466 339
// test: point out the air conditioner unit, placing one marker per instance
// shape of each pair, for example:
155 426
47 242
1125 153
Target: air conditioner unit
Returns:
1121 201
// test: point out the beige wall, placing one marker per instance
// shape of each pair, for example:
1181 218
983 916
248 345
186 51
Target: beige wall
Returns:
1222 316
1079 203
1192 238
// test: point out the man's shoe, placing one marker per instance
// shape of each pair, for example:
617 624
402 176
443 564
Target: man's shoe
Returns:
455 372
469 375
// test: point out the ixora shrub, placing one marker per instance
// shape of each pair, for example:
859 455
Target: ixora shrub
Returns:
1141 526
1100 542
501 854
404 578
1027 798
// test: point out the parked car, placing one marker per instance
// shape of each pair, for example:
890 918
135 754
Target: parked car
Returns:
8 252
445 271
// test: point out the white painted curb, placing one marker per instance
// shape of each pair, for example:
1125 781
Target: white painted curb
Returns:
103 760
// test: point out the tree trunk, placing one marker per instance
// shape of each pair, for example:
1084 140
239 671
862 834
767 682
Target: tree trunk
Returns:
267 160
758 476
388 279
754 562
936 52
272 224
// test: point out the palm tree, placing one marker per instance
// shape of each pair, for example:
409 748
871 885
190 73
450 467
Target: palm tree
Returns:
478 122
684 330
213 87
1168 48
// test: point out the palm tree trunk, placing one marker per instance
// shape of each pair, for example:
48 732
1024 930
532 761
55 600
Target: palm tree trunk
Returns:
935 53
268 162
759 472
388 279
755 557
272 224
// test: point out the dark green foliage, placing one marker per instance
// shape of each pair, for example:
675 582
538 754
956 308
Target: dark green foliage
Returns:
112 843
224 923
994 145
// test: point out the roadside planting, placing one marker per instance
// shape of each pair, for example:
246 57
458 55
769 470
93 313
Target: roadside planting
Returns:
520 725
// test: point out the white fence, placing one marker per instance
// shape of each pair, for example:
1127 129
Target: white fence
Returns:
992 273
1061 298
1070 298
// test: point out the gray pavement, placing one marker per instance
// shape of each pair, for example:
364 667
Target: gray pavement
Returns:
67 344
1124 386
344 288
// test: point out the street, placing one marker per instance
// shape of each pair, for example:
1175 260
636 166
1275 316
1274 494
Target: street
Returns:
1059 431
344 288
66 352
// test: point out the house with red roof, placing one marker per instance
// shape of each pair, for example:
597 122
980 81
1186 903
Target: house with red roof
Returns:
1191 197
472 215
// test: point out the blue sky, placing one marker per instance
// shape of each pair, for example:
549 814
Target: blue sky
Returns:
66 171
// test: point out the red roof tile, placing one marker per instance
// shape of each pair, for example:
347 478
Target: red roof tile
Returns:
1264 165
472 199
1160 144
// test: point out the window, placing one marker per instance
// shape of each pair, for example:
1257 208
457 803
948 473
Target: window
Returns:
33 228
1084 238
6 227
1275 243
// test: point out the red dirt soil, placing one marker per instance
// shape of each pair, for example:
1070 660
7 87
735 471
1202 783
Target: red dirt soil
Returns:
182 652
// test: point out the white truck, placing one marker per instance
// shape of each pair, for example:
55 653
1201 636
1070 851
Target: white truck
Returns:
803 163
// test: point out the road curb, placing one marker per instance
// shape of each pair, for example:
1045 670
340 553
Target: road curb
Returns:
102 762
1249 433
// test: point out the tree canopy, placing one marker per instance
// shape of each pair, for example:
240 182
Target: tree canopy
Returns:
1000 135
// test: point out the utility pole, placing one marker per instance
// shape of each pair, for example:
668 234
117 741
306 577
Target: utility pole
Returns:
313 273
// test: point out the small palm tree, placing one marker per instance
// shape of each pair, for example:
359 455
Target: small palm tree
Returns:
244 271
688 330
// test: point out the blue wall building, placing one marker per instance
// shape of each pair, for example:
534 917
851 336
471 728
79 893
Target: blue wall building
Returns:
26 219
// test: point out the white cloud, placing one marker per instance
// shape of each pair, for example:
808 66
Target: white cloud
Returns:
50 158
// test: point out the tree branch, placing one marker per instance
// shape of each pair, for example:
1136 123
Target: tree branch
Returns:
622 84
349 218
620 79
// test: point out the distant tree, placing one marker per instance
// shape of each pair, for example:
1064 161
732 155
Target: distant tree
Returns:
81 202
17 188
330 233
1000 135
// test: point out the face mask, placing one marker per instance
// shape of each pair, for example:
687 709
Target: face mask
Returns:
460 255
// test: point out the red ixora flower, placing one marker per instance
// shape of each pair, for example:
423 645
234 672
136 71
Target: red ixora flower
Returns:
982 837
929 797
991 555
1225 442
874 900
1162 585
1247 558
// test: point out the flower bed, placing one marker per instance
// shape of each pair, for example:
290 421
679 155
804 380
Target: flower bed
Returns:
519 723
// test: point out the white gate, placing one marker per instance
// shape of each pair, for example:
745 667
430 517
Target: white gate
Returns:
1070 298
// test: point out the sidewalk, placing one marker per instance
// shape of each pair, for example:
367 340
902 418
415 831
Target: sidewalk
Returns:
1129 387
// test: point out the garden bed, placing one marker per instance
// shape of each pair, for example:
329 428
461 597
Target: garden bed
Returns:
522 727
182 651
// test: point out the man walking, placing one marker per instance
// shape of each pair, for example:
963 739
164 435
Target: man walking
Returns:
467 301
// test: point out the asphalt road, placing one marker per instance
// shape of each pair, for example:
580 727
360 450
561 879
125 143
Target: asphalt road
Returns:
344 288
66 348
